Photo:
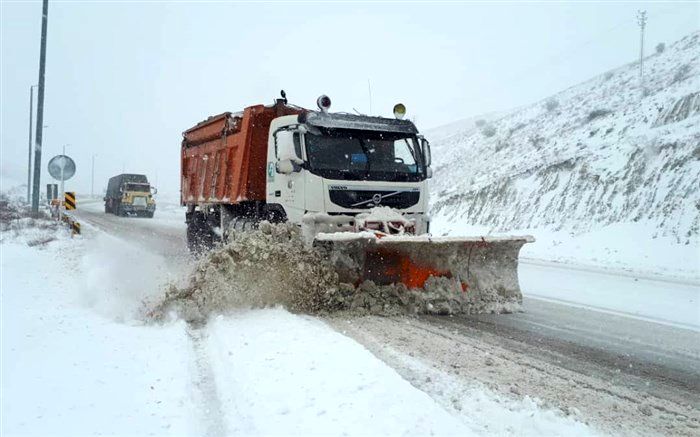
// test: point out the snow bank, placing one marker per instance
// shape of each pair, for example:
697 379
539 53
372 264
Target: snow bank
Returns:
68 371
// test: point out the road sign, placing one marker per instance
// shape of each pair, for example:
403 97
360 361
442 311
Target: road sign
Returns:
61 167
70 200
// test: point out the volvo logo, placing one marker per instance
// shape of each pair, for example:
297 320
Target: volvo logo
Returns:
377 199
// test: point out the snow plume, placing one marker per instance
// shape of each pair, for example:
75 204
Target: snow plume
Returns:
267 267
272 266
121 280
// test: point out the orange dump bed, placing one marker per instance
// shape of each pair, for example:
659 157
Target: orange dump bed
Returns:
224 157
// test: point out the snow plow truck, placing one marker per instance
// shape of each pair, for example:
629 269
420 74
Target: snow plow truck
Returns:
356 184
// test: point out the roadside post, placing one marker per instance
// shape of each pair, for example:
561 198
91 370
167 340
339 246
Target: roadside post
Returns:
52 199
62 168
51 192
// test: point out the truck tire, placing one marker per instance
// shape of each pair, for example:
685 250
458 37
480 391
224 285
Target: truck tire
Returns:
241 224
200 236
245 224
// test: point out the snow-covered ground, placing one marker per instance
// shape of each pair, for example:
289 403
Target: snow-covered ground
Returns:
72 363
78 359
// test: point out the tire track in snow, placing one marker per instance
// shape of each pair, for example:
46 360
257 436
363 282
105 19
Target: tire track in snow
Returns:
204 382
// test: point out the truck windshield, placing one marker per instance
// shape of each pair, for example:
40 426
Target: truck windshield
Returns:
357 156
144 188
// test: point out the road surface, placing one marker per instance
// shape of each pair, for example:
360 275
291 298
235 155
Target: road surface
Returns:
163 235
581 353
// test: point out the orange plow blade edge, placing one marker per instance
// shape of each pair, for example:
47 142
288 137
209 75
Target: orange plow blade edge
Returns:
480 270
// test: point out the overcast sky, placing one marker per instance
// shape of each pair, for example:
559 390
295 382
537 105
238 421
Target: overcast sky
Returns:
124 79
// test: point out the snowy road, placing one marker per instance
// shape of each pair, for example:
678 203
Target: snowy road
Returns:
163 235
570 346
595 310
663 300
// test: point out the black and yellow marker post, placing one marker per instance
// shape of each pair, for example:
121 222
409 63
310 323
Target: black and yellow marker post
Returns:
70 200
70 204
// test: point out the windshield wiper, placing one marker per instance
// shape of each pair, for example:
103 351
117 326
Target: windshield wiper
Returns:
410 150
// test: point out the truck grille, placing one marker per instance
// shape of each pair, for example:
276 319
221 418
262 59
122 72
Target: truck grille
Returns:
360 199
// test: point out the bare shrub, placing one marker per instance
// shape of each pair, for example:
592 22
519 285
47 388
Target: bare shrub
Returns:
598 113
488 131
660 47
516 128
551 104
536 140
682 73
16 217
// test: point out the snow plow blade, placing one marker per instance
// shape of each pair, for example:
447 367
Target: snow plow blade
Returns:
482 272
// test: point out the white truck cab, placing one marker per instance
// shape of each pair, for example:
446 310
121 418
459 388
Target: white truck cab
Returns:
342 165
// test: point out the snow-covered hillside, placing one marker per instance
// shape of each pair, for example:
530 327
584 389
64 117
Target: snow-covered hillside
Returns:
598 156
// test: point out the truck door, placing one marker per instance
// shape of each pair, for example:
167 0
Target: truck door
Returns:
286 179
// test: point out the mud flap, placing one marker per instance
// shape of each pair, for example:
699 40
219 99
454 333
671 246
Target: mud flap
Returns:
482 270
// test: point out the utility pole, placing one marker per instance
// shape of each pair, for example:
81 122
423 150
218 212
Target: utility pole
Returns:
29 158
642 21
40 110
92 177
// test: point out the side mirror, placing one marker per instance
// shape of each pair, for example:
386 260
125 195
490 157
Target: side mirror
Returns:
284 145
428 172
426 152
154 191
285 166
